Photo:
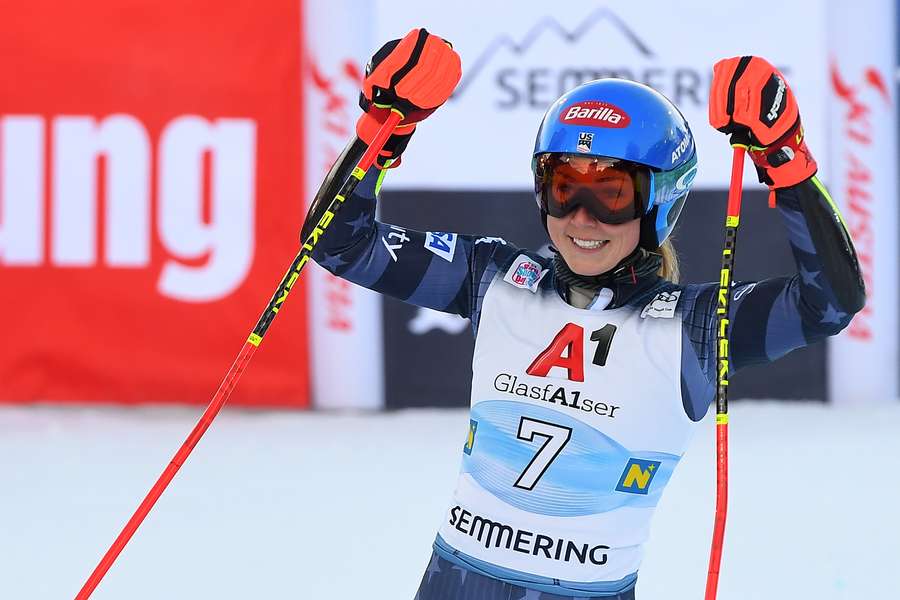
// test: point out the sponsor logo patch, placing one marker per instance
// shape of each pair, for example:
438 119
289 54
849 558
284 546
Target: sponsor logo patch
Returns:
594 113
393 241
490 240
682 146
778 103
470 438
585 141
442 244
662 306
684 182
525 273
637 476
744 290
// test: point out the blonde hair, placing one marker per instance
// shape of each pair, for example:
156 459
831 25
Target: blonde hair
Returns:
669 267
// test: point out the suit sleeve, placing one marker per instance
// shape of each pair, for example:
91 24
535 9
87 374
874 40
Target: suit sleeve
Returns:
774 316
438 270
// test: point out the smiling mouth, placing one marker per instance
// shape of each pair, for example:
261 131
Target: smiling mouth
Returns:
588 244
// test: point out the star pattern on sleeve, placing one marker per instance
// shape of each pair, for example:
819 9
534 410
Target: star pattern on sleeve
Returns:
809 277
361 222
331 262
832 315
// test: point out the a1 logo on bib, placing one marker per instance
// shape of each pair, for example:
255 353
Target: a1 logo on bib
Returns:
525 273
662 306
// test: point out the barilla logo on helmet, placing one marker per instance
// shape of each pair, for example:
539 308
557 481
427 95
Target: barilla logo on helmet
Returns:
594 113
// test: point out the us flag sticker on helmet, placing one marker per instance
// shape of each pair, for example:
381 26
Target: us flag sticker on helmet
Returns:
585 140
595 113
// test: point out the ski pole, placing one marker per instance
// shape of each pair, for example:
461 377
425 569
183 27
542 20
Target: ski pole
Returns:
732 220
243 358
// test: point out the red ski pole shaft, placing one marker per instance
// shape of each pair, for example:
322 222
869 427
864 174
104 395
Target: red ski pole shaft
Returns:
243 358
732 220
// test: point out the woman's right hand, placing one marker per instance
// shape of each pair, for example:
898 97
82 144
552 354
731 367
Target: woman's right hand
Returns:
414 75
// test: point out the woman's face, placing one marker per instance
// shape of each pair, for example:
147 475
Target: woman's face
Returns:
589 246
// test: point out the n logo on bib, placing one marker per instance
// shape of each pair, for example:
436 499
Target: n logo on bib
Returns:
470 438
637 476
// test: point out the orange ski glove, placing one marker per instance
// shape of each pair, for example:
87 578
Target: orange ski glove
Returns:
414 75
751 101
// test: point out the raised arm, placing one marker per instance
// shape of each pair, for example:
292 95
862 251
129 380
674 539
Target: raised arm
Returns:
774 316
443 271
751 101
438 270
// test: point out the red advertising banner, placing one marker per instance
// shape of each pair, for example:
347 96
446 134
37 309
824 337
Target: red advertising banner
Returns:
150 199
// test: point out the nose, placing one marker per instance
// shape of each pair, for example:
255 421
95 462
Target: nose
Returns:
583 217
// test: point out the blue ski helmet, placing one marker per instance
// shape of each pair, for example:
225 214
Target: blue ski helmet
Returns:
624 120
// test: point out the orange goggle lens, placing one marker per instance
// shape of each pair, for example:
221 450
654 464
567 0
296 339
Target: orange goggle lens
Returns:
612 190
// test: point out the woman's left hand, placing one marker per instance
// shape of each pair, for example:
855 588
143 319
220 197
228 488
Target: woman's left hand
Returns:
751 101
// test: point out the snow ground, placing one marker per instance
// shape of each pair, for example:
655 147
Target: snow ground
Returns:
313 506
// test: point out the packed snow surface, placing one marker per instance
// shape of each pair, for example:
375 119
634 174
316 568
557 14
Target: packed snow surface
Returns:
318 506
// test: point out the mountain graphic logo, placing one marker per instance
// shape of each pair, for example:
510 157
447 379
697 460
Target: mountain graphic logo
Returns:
550 26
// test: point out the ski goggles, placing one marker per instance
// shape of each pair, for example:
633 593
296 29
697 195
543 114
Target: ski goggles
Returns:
613 191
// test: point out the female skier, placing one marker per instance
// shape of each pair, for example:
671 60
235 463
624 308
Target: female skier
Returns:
593 367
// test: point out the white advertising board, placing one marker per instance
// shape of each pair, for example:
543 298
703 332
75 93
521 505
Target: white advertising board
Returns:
518 57
344 319
862 360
